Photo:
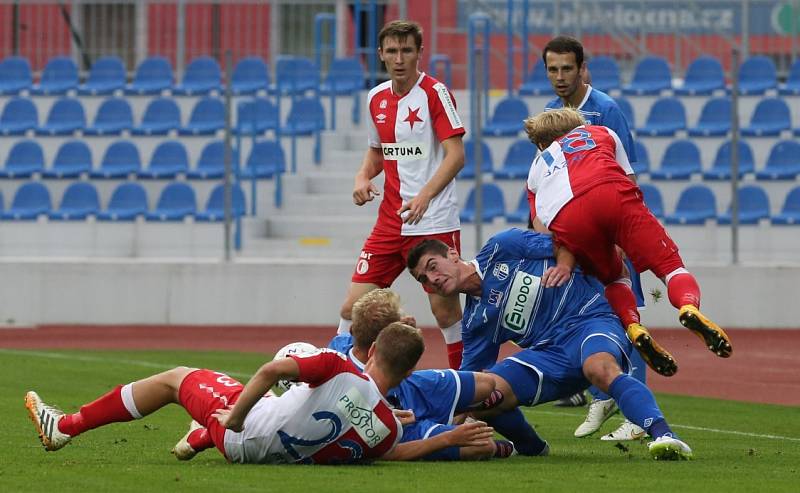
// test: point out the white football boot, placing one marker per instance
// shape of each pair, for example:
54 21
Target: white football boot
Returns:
599 412
182 450
669 448
46 419
626 431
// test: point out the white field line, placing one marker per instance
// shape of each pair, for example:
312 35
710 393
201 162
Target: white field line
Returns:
163 366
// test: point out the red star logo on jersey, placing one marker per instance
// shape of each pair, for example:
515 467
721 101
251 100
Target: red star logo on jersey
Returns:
413 117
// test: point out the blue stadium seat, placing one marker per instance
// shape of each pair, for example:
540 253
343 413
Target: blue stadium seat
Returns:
492 202
211 163
681 159
153 76
769 119
783 162
652 199
257 116
15 75
715 118
24 159
31 201
518 161
113 116
721 170
266 160
627 111
790 214
19 116
295 75
59 76
345 76
80 201
201 77
523 211
306 116
168 160
642 164
696 204
753 206
120 160
703 76
792 86
507 118
73 158
128 202
176 202
215 206
667 116
160 116
250 76
65 117
106 76
208 116
536 82
487 163
756 75
605 73
651 76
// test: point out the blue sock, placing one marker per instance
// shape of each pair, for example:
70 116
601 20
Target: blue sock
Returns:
515 427
638 404
639 367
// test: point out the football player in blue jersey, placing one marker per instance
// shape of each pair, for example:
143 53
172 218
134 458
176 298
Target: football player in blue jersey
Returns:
435 397
572 336
569 75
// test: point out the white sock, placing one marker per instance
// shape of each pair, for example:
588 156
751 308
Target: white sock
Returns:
344 326
452 334
127 401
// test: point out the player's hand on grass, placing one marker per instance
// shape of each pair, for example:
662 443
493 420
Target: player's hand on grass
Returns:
405 416
364 191
471 434
413 210
223 415
556 276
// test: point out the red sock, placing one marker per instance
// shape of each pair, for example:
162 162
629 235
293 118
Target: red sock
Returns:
682 289
454 351
200 439
623 302
109 408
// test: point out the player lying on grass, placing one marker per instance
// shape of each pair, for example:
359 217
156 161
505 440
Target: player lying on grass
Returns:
573 337
434 397
340 417
578 189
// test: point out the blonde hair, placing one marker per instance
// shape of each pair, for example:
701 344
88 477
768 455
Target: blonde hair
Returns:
371 313
547 126
398 349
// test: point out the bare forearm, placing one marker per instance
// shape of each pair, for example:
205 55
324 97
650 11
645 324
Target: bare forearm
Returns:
253 391
452 163
372 164
417 449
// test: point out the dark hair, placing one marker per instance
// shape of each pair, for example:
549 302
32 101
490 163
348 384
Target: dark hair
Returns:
425 246
398 349
564 44
401 30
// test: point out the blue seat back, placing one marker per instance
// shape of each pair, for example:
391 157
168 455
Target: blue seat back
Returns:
716 110
129 195
73 152
697 198
627 111
170 153
216 201
260 113
162 110
772 110
67 110
80 195
307 111
513 110
784 153
723 156
212 155
753 200
520 154
121 153
154 69
114 110
16 69
652 198
345 74
642 155
177 195
296 74
652 69
60 71
538 75
758 69
202 70
667 110
267 154
107 69
682 153
705 69
25 152
250 70
605 73
32 195
208 110
20 110
492 201
469 158
792 203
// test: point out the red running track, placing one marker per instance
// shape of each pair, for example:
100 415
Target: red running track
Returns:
762 368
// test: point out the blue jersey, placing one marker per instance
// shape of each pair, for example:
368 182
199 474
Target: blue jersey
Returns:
513 306
598 108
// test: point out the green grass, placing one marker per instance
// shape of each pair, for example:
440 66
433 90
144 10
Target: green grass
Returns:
135 456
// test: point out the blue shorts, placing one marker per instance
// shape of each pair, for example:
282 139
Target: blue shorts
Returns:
425 429
554 370
435 395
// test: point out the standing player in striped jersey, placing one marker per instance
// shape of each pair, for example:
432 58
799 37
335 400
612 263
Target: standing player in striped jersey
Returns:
569 75
340 417
415 141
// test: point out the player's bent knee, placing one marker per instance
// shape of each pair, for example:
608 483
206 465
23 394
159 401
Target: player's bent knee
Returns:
601 369
484 385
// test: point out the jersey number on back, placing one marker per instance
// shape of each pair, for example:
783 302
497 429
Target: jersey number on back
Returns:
577 140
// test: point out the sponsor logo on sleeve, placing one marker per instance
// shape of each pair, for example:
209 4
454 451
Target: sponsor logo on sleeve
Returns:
449 106
383 104
404 151
360 414
521 298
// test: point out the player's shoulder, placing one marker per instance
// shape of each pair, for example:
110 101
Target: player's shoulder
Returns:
431 84
380 88
554 104
602 100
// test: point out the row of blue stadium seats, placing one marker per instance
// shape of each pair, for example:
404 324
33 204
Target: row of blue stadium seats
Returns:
128 202
652 75
666 117
680 161
202 76
161 116
122 159
695 206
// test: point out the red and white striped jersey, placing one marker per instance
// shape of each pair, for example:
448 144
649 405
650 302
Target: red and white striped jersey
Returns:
583 158
409 130
339 417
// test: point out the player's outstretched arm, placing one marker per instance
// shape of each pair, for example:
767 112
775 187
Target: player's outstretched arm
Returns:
474 434
560 273
266 376
371 166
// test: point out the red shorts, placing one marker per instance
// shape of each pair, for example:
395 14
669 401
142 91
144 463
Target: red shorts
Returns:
204 391
612 214
383 256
